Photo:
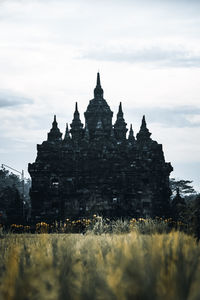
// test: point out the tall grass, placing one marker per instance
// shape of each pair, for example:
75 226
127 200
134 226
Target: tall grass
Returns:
106 266
98 225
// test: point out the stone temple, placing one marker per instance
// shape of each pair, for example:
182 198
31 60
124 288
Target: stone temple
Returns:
97 169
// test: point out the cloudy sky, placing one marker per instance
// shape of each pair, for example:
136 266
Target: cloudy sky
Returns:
148 54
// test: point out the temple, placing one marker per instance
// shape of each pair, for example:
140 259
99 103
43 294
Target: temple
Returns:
99 168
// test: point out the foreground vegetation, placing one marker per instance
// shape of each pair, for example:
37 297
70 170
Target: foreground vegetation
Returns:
99 225
99 265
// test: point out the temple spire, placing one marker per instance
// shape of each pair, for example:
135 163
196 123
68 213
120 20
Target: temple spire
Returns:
120 125
76 120
54 124
144 124
131 135
76 125
76 107
54 134
76 112
98 79
120 112
144 134
67 136
98 91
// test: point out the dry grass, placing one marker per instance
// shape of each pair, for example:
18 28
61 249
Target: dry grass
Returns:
107 266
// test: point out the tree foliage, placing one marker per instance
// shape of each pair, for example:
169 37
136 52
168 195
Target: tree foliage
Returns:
13 191
185 186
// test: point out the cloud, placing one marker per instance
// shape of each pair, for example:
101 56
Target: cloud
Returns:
9 99
175 117
156 55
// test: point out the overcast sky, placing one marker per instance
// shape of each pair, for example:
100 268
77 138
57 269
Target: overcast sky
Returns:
148 54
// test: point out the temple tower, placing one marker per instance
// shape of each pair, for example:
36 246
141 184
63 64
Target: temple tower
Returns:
76 125
54 134
120 125
143 135
98 110
131 137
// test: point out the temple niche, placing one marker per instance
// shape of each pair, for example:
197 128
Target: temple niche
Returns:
99 168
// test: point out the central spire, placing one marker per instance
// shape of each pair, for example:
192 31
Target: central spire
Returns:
98 79
98 109
98 91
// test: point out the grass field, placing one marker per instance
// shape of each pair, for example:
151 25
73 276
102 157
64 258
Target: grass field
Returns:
106 266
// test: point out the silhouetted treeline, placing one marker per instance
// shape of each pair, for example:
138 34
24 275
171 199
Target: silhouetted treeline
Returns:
14 198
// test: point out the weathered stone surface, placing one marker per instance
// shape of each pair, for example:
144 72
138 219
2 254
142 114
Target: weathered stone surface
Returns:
96 170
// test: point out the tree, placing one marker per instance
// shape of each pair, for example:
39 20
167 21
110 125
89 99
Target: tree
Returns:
184 186
195 217
12 207
182 200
